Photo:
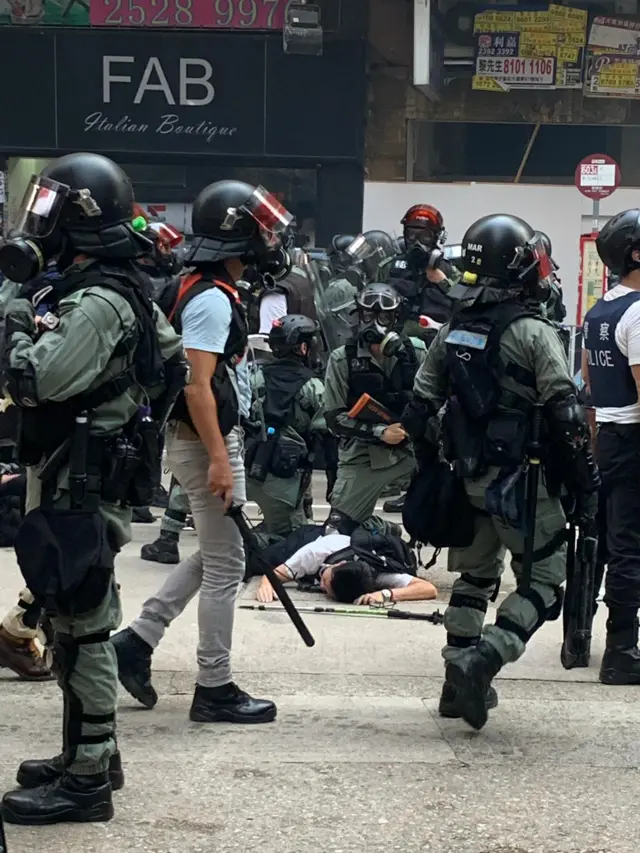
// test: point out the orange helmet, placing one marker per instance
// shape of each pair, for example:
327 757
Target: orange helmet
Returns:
424 216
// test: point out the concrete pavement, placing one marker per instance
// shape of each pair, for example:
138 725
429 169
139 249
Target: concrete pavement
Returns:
358 759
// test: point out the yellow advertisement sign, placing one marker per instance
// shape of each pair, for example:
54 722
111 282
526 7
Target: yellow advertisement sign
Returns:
557 36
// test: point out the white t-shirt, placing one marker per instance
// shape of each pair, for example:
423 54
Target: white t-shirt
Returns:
273 306
309 559
628 342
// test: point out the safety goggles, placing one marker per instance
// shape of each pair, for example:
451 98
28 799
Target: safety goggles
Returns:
43 202
383 318
272 217
378 301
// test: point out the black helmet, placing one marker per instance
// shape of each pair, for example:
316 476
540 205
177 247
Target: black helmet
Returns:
231 219
373 250
337 254
290 331
619 236
504 249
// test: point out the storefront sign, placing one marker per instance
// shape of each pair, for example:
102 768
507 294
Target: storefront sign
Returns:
529 49
209 14
613 59
179 93
212 14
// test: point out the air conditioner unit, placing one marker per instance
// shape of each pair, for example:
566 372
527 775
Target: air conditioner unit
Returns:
302 31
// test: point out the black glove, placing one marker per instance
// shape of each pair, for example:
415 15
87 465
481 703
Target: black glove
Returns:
20 318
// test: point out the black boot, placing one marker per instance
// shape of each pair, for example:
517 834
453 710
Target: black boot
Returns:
395 505
163 550
621 660
33 773
70 799
142 515
229 704
471 676
449 706
134 666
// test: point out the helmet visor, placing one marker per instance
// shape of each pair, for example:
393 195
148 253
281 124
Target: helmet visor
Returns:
272 217
372 300
533 256
166 234
41 206
359 249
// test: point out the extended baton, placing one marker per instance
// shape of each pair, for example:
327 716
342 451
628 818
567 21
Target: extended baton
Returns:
436 618
238 516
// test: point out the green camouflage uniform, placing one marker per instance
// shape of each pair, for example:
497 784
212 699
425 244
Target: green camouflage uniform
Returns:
281 500
74 359
532 344
364 467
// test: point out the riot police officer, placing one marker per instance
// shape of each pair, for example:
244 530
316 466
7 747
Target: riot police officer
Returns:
81 358
286 417
235 225
380 364
611 371
493 366
422 276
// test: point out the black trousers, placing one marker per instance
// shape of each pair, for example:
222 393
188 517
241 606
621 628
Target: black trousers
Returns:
619 460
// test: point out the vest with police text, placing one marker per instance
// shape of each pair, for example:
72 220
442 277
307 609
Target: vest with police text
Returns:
610 378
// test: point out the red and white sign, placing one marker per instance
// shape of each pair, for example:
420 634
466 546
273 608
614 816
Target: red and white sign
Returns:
597 176
157 211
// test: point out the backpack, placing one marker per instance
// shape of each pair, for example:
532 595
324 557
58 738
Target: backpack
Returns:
384 552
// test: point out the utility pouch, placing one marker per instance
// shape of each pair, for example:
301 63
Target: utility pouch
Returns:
289 456
463 439
505 439
65 559
261 456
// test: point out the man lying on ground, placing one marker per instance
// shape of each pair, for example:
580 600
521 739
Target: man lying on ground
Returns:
329 562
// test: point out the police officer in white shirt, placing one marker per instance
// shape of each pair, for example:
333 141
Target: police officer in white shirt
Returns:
611 370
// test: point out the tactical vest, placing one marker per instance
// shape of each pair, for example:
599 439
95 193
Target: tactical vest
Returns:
484 424
366 377
610 377
44 428
223 389
299 293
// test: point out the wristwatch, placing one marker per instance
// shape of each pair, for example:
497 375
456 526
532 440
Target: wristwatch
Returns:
386 595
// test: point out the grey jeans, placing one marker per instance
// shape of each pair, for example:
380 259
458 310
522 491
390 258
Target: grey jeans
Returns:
216 568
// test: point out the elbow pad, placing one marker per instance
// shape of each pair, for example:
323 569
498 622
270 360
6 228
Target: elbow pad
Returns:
416 416
569 430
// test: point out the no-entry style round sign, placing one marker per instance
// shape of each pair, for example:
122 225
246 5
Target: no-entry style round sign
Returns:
597 176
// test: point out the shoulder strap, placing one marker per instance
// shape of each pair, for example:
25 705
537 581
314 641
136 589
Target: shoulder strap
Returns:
193 285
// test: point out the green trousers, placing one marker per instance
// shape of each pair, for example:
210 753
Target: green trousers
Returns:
358 486
480 567
280 516
87 672
84 659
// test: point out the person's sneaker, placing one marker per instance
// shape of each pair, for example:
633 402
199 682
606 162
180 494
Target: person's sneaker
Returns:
23 657
32 774
142 515
163 550
449 707
134 666
69 799
160 498
229 704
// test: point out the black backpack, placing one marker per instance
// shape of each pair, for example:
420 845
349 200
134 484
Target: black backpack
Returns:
384 552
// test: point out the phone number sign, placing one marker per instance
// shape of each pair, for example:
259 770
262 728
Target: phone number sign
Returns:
206 14
518 71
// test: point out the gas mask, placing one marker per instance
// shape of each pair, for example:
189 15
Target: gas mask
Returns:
37 238
378 313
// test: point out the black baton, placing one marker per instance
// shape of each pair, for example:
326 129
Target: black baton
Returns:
238 516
